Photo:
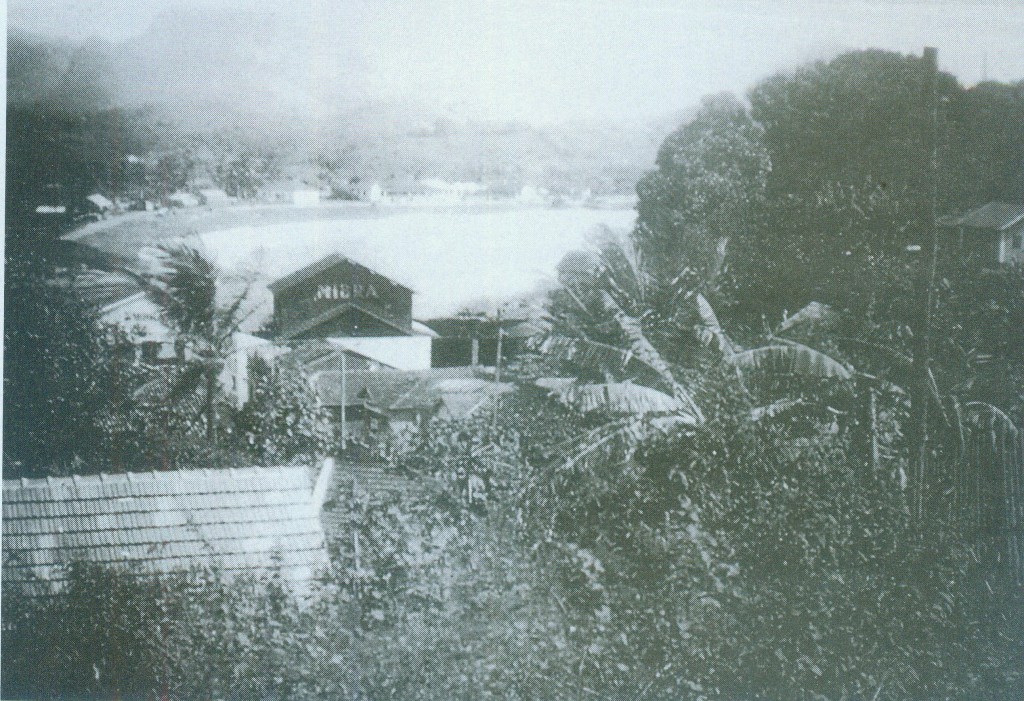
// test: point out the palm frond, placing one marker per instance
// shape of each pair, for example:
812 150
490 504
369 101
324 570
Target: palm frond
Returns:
776 408
791 359
710 330
584 351
619 398
622 436
813 313
189 288
646 353
989 416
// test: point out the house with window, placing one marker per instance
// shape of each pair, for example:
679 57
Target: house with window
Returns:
990 235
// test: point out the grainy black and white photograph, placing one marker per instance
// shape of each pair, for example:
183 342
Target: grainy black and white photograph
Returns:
516 350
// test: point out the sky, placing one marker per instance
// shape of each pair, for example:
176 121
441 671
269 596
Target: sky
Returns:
553 60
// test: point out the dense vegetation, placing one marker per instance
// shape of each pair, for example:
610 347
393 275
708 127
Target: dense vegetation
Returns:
77 400
791 515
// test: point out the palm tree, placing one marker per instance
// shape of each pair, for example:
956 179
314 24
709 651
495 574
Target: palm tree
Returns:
615 317
185 288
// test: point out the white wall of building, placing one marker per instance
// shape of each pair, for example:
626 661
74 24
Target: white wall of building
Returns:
400 352
306 198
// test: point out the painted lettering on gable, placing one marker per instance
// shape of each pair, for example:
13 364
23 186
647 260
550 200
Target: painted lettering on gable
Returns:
347 291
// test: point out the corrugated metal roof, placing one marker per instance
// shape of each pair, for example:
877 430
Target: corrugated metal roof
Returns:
995 215
248 519
396 391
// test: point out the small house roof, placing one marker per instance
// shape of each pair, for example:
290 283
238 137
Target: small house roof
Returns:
103 289
322 265
100 201
480 326
318 355
386 391
397 391
995 215
253 520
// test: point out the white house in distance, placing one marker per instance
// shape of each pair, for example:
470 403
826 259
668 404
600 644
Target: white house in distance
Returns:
214 197
305 197
124 305
992 234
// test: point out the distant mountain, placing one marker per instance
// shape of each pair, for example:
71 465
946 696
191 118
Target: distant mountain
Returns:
317 107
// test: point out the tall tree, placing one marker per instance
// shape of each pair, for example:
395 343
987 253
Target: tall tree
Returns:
711 174
62 378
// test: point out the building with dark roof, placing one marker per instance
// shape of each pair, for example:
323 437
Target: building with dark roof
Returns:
990 235
386 404
468 340
258 520
337 297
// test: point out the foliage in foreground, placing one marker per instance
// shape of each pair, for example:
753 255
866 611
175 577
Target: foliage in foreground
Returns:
113 634
514 572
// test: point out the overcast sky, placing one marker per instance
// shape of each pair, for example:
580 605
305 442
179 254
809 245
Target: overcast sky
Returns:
552 60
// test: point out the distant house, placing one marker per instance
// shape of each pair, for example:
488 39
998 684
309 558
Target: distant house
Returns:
531 194
990 235
337 297
386 404
122 304
138 317
290 190
98 204
473 340
305 197
399 352
214 197
259 521
318 355
182 199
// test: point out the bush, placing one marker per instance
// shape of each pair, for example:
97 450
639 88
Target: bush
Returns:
112 633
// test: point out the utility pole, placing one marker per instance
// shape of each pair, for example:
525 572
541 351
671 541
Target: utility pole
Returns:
344 399
497 360
926 272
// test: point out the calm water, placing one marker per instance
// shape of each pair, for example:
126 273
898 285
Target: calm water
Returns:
449 257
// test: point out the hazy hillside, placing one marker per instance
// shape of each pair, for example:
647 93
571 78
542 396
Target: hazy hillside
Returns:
316 108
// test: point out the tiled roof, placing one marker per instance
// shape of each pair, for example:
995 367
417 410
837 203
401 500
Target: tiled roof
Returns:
995 215
352 479
253 520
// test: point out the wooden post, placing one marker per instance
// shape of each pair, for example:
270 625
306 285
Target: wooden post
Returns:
323 483
497 359
921 387
344 399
